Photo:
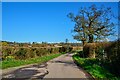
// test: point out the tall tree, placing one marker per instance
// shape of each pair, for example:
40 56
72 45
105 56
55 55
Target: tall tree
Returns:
66 40
93 23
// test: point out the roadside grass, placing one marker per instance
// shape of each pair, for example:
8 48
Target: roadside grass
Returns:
15 63
92 66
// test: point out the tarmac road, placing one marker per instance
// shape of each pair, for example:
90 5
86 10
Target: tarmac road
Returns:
60 67
64 67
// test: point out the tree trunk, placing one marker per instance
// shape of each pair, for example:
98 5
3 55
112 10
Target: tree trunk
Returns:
92 51
90 38
83 43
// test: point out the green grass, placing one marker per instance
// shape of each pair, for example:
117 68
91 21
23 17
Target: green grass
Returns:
15 63
92 66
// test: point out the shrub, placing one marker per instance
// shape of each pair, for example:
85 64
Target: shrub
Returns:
99 52
62 49
21 53
6 51
92 66
28 52
65 49
70 49
80 53
31 52
54 50
77 48
107 52
113 56
89 50
10 58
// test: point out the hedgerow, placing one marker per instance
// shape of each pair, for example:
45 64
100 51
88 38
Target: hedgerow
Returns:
107 52
31 52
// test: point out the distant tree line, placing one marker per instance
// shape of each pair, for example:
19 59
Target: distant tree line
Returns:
36 44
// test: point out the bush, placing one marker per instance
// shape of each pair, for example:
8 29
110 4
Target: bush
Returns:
80 48
89 50
31 52
62 49
113 56
21 54
8 58
54 50
92 66
65 49
107 52
6 51
95 50
80 53
99 52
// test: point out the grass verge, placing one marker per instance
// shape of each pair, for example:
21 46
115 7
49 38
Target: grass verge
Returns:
15 63
92 67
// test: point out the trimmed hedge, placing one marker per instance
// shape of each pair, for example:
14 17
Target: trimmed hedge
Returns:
93 67
78 48
113 57
93 50
107 52
89 50
31 52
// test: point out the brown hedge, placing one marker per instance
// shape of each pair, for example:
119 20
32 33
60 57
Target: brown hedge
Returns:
91 49
31 52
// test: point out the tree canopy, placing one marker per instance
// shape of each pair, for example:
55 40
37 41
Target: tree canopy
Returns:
93 23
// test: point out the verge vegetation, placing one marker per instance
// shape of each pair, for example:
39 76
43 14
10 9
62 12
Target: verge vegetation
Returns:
39 60
17 56
92 66
101 60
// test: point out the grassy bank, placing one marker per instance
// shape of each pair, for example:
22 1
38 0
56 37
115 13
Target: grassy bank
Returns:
15 63
92 66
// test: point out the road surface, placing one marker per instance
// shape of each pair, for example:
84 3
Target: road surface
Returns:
60 67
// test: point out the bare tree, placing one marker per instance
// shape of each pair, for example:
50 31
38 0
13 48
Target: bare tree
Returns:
93 23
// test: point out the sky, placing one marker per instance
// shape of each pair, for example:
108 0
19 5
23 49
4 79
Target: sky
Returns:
42 21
